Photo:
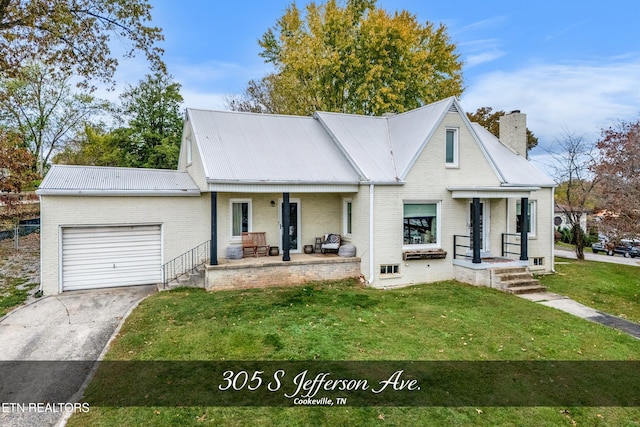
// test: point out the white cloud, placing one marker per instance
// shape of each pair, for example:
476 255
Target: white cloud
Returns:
203 100
576 97
482 57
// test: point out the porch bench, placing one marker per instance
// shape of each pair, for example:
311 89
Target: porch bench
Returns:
254 243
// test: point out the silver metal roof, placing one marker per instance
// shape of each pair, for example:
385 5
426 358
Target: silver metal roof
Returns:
104 181
515 170
264 148
335 148
365 140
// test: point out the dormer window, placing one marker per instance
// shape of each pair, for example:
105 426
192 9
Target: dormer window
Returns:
451 151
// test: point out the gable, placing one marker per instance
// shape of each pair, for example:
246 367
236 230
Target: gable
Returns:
473 167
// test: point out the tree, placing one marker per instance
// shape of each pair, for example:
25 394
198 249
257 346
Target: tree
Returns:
92 147
355 58
39 105
618 172
490 120
150 138
573 159
16 161
75 35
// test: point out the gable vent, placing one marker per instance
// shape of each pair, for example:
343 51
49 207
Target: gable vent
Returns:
453 108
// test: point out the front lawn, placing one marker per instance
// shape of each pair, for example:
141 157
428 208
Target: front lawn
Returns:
611 288
344 321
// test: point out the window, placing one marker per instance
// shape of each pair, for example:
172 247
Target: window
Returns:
538 261
240 217
451 155
347 209
421 225
388 269
531 217
189 151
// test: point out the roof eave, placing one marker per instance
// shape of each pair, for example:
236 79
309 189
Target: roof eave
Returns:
118 193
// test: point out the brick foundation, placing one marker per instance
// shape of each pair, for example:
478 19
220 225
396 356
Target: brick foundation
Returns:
278 273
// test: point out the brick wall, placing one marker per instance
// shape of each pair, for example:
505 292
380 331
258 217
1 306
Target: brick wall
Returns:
278 273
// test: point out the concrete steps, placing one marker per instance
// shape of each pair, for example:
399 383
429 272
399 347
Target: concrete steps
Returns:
193 279
515 280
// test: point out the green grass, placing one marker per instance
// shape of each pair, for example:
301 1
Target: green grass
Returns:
611 288
13 292
344 321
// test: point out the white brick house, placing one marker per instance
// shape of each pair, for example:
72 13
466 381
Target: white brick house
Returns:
398 188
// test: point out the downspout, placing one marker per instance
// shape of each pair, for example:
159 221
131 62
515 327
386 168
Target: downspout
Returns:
371 270
553 230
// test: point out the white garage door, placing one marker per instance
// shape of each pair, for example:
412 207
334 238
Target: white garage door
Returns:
102 257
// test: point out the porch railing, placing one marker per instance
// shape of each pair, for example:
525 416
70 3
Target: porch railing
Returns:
508 244
458 242
186 263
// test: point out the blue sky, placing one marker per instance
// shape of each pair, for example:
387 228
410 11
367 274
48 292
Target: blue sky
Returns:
572 67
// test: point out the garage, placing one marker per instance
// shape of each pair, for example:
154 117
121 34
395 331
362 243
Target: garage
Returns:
110 256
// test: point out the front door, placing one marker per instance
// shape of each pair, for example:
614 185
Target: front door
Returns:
484 225
294 225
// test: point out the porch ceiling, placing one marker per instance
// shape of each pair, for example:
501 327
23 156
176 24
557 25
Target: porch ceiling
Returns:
491 192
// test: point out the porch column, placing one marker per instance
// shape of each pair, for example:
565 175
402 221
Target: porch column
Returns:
213 249
475 230
524 229
286 222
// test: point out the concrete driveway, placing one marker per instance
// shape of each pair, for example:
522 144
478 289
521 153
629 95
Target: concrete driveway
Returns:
48 347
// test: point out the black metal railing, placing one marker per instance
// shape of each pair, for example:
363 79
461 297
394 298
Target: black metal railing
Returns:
186 263
458 241
508 242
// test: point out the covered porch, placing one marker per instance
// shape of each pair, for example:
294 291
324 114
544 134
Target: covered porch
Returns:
475 259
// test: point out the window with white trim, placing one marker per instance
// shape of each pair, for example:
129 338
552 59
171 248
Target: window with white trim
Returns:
451 150
189 149
389 269
531 216
347 210
240 217
421 225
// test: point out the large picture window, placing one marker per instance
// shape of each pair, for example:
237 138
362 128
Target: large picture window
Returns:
421 223
240 217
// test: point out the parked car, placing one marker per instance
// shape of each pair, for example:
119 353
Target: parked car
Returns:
625 249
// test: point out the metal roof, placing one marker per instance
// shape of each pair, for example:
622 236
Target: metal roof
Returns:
270 149
336 148
514 169
365 140
104 181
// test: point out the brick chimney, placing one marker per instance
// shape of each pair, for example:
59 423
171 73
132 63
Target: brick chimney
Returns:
513 132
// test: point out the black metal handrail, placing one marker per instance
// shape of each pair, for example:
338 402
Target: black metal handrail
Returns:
186 263
456 245
506 244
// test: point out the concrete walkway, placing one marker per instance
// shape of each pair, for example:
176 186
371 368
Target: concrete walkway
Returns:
48 349
572 307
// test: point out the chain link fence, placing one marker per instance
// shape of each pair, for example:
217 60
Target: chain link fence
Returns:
21 230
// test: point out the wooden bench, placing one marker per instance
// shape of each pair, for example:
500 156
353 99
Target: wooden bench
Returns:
254 243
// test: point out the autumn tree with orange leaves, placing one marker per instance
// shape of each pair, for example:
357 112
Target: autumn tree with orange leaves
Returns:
618 172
